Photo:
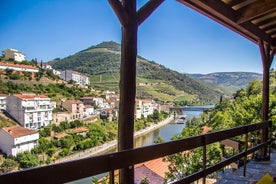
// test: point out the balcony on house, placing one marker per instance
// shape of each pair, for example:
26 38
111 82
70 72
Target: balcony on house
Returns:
109 163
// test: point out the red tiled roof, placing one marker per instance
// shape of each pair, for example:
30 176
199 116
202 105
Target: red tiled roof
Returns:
61 135
143 171
80 129
206 129
75 101
29 96
3 95
18 131
17 65
157 165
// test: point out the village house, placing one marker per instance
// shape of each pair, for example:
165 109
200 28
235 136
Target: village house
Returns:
98 101
87 100
30 110
17 139
19 67
3 102
61 116
144 107
75 107
109 114
49 67
88 110
79 78
13 54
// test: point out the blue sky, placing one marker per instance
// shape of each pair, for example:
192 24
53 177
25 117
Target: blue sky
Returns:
174 35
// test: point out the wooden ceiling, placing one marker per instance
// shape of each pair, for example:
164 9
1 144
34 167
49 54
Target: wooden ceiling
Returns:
253 19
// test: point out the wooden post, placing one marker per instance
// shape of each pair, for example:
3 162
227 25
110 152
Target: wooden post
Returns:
267 55
130 20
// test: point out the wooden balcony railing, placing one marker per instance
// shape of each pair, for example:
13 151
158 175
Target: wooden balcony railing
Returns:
78 169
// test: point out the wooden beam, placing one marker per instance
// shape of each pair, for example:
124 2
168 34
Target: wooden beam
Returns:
225 15
267 55
144 12
256 9
119 10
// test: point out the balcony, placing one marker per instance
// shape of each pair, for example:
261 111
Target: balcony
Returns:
78 169
254 171
235 15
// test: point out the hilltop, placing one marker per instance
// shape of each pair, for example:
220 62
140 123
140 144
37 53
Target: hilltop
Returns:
102 63
231 81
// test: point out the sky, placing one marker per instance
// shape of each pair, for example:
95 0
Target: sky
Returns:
174 35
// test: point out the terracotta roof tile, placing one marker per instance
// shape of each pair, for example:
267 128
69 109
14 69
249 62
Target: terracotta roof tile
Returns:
206 129
80 129
17 65
3 95
158 166
29 96
75 101
61 135
143 171
18 131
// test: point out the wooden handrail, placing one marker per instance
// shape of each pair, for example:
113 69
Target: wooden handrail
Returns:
78 169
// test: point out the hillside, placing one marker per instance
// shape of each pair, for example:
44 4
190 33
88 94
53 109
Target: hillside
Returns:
232 81
102 63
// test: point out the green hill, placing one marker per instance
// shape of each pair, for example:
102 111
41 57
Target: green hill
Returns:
102 63
231 81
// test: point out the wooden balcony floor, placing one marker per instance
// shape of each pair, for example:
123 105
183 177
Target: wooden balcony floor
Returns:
254 171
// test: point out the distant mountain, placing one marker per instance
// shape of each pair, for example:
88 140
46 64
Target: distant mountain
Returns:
102 63
230 80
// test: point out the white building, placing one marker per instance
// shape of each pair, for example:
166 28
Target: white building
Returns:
88 110
30 110
99 102
17 139
18 67
79 78
144 107
13 54
3 101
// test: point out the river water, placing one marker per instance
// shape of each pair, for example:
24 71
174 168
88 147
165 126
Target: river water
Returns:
166 133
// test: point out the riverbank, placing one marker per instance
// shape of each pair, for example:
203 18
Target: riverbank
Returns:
112 145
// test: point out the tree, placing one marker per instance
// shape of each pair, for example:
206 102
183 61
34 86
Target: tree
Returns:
8 165
67 142
27 160
8 71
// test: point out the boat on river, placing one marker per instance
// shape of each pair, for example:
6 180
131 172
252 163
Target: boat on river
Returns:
181 119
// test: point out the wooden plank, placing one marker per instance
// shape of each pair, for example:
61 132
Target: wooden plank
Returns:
255 10
144 12
228 17
77 169
119 10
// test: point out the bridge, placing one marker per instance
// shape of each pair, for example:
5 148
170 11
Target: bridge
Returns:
198 108
181 110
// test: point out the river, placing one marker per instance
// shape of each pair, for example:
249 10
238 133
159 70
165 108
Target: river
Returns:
166 133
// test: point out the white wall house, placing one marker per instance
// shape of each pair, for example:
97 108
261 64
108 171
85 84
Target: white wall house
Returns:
18 67
147 107
30 110
3 101
17 139
143 107
13 54
88 110
79 78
